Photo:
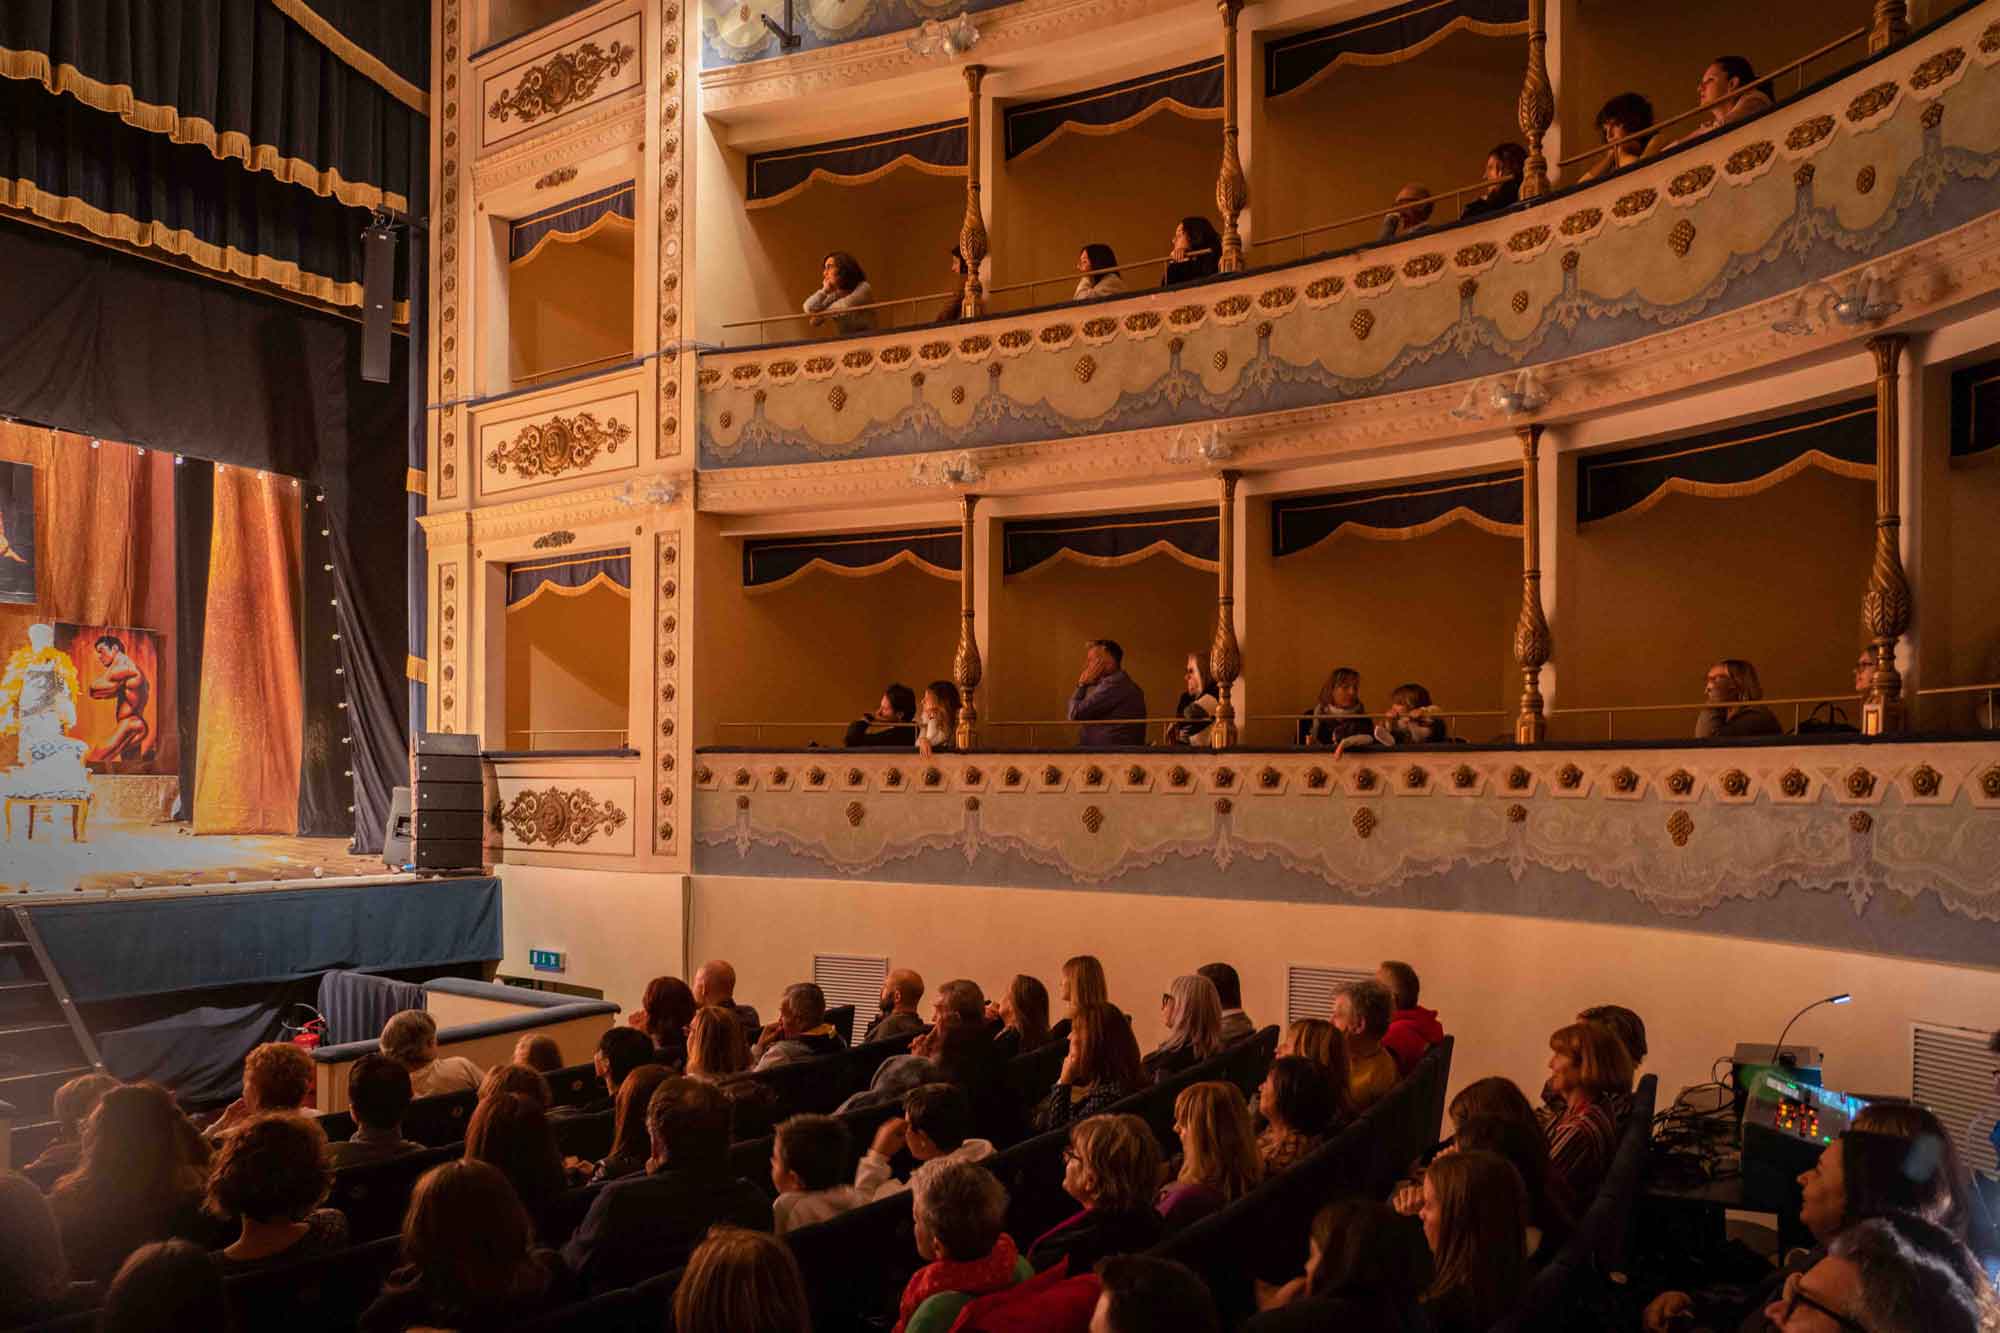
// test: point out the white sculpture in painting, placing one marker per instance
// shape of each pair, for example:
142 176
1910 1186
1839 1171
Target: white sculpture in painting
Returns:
38 703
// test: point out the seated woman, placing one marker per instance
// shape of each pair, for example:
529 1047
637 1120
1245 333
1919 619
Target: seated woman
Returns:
1300 1112
954 306
1732 688
1475 1218
892 723
937 717
1338 714
664 1012
1623 120
1192 1011
469 1259
718 1052
1197 705
1591 1071
1083 983
1100 277
741 1281
1504 166
1527 1150
1197 252
1321 1042
1365 1269
34 1276
1102 1068
1219 1162
141 1178
1411 719
1112 1168
961 1215
410 1038
1023 1014
270 1177
511 1133
842 287
170 1286
631 1141
529 1083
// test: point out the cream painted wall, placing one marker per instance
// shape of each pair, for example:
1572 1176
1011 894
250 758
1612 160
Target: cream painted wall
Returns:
619 931
1973 497
1347 144
571 303
510 18
1046 208
1501 983
1652 599
568 667
1661 50
1438 610
1158 610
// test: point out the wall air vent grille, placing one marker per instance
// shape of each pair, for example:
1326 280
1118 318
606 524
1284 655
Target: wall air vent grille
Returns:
851 978
1309 990
1951 1071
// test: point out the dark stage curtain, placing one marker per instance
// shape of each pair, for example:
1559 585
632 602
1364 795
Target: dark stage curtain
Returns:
194 526
323 743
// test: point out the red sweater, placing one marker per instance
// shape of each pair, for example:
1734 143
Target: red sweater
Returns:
1411 1032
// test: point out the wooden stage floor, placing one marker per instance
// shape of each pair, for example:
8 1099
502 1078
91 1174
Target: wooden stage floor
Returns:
127 855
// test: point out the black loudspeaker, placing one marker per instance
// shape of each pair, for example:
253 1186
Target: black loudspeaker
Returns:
396 833
378 283
447 807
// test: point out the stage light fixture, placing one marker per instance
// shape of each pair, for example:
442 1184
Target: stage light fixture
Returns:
97 444
178 460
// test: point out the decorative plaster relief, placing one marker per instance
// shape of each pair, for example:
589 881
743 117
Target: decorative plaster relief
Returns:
539 90
532 449
591 816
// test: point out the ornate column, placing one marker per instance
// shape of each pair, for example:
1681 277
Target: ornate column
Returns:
1225 656
1892 24
1538 102
1885 607
1232 189
966 668
972 234
1532 640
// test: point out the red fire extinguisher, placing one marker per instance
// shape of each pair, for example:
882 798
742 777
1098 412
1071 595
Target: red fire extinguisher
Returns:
308 1033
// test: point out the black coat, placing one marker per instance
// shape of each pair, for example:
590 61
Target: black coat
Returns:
647 1225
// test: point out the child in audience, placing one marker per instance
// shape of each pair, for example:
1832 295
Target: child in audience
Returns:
808 1167
539 1052
1475 1218
1219 1162
1411 720
937 717
270 1177
1097 264
1300 1112
741 1281
520 1080
1337 715
510 1132
961 1213
1113 1169
936 1128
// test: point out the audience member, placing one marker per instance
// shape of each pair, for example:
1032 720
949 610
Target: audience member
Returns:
1083 983
1112 1168
801 1031
1197 706
140 1178
1504 166
1196 252
34 1275
1526 1148
410 1039
1338 714
539 1052
1365 1269
935 1128
902 993
1362 1011
663 1015
1098 267
169 1286
1023 1014
510 1132
525 1082
1590 1070
1960 1210
893 1081
1895 1274
741 1282
644 1225
378 1097
715 984
892 723
1299 1110
1628 1027
954 306
842 287
809 1171
1319 1041
1219 1162
1102 1068
937 717
1142 1294
1193 1014
1411 720
277 1076
1732 689
620 1051
1412 1028
1236 1024
1105 693
469 1257
1411 215
631 1141
961 1213
71 1106
1725 91
1623 122
270 1177
1864 674
716 1045
1492 1095
1475 1217
961 1042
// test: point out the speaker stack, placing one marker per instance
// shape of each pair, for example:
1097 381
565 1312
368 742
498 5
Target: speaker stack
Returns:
448 794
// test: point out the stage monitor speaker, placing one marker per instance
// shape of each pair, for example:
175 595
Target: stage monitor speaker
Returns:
396 834
378 290
447 742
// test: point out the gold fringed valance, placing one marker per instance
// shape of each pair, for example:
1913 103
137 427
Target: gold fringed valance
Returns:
355 57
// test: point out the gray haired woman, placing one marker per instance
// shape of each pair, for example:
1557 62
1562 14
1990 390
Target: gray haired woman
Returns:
1192 1011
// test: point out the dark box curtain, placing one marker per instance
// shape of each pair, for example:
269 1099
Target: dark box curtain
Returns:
194 527
1975 409
773 562
1385 38
1188 90
776 176
1190 536
1490 502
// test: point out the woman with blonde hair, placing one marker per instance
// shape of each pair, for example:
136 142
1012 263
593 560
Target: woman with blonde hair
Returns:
1475 1217
1197 706
1218 1163
1192 1011
1083 983
1112 1167
1319 1041
740 1281
716 1047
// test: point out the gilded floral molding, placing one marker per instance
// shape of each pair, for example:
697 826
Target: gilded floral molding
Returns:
559 445
540 89
565 815
553 818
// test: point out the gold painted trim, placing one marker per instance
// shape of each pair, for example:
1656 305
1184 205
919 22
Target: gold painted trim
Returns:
1151 109
1459 514
1160 547
599 581
607 194
854 572
416 481
1370 61
573 237
820 174
225 145
1726 490
361 62
415 668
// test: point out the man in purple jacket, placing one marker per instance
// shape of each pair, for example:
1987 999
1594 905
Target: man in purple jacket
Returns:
1105 692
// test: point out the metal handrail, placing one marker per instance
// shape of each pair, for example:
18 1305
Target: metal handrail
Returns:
1376 216
834 312
609 358
1611 711
1033 283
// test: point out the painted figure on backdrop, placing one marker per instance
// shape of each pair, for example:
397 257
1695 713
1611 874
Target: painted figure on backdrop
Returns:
17 533
38 702
124 682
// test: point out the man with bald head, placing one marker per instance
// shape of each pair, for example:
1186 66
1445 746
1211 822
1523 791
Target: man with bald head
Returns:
715 984
902 992
1413 212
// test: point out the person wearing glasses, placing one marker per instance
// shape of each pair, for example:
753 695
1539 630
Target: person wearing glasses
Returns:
1732 688
1894 1274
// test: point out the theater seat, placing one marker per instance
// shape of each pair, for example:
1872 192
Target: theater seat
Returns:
855 1265
435 1121
585 1136
325 1294
374 1195
575 1085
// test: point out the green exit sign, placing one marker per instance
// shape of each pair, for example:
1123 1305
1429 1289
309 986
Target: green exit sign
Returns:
545 960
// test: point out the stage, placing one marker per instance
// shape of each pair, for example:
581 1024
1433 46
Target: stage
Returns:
122 854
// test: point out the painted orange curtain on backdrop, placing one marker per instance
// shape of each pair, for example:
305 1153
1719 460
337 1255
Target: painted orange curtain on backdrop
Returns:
247 767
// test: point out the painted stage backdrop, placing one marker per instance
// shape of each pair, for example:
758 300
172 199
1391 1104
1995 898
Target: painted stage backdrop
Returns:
118 713
17 533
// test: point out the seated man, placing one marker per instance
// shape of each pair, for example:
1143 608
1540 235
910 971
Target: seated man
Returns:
539 1052
378 1097
801 1031
715 984
645 1225
1726 94
894 721
1732 687
1361 1010
1504 166
1236 1024
410 1038
619 1051
1105 692
902 992
1893 1274
1413 212
1412 1028
936 1126
1622 121
277 1076
1142 1294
